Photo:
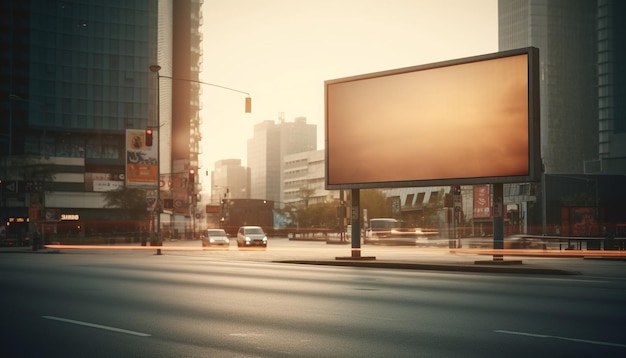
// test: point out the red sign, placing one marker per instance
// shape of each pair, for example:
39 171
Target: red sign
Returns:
482 202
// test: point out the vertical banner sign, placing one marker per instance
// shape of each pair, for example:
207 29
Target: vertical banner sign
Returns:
151 199
141 160
482 201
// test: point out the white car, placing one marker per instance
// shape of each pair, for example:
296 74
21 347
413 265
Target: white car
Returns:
249 236
214 237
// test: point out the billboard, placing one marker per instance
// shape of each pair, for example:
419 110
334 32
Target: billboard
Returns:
466 121
141 160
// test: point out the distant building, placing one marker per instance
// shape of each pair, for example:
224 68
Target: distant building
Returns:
267 149
229 179
240 212
304 179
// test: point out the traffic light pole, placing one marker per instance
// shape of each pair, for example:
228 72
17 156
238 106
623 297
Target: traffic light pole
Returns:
156 69
191 194
157 209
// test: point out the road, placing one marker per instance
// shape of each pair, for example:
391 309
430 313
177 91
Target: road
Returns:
120 303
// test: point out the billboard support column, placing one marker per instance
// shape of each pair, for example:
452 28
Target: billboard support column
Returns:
498 219
355 220
356 223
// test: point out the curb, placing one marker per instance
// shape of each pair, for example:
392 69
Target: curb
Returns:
30 251
434 267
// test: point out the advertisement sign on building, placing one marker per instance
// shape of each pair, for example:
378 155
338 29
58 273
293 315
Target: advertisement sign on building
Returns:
100 182
482 202
141 160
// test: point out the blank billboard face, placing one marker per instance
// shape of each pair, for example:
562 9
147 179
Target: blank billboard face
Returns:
457 122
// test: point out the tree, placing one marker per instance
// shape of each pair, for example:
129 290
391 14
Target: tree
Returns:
318 215
129 199
305 195
376 203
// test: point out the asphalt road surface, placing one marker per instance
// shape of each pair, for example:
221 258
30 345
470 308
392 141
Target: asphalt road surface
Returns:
106 303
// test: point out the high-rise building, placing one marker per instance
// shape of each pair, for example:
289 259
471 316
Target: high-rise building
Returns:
611 157
179 56
74 77
564 32
583 112
270 143
582 79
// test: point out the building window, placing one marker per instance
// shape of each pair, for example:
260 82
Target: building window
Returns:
434 197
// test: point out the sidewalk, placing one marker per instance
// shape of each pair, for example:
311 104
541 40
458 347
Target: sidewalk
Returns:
281 250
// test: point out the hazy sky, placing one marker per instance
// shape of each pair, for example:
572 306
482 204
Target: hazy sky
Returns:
282 51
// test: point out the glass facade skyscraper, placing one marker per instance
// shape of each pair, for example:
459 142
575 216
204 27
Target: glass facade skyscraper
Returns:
72 67
583 116
582 79
74 77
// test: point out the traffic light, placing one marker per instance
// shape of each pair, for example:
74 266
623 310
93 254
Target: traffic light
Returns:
148 137
192 177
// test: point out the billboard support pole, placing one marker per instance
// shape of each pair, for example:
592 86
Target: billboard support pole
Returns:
356 223
355 232
498 219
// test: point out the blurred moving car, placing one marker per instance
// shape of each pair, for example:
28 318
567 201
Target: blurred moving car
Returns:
524 242
511 242
413 236
214 237
248 236
389 231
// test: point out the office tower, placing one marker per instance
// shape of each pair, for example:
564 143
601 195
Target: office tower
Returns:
229 179
582 80
564 32
304 179
267 148
74 78
180 57
611 157
583 114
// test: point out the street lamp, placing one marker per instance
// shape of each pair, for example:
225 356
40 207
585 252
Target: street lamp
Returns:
156 69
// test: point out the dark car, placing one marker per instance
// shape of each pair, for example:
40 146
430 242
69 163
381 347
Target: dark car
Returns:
214 237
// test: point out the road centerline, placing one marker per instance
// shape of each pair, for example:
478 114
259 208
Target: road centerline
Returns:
93 325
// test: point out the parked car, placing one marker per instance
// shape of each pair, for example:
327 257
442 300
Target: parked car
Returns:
248 236
214 237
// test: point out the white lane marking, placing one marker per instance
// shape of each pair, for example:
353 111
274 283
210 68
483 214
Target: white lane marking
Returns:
534 335
573 280
246 335
96 326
